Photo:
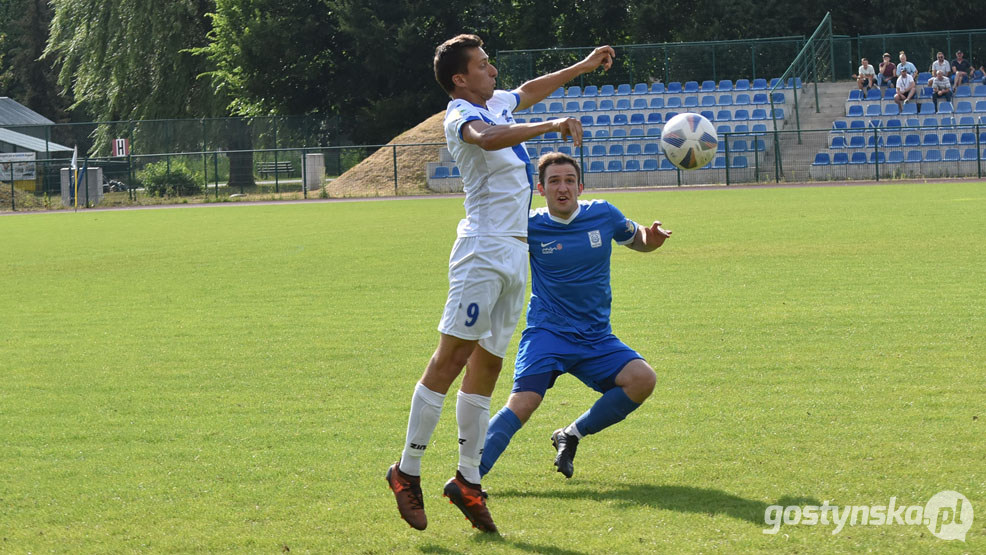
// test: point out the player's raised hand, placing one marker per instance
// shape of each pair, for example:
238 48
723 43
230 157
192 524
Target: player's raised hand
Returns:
569 127
602 56
655 235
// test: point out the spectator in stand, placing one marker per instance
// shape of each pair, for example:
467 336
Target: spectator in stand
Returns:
888 71
961 69
905 88
941 88
904 64
866 77
939 64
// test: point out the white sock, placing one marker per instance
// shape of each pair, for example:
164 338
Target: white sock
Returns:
573 430
472 412
426 408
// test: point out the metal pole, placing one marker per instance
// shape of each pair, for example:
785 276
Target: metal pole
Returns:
876 151
277 188
215 171
86 184
10 168
979 154
395 170
726 139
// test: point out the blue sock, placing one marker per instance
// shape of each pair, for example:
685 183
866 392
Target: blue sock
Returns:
611 408
503 426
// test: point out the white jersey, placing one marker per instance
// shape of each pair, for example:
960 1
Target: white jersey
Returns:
497 183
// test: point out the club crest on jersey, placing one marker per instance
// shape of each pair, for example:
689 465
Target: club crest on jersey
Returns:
595 239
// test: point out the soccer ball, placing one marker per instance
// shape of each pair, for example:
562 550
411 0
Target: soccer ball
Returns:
689 141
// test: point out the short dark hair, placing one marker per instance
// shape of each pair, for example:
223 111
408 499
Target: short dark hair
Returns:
557 158
452 58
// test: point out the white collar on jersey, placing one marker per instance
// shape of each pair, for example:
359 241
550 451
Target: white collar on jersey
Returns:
578 209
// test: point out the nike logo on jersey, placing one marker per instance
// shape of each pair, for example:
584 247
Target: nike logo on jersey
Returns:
548 243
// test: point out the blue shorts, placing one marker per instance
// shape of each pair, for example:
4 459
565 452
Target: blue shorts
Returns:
544 355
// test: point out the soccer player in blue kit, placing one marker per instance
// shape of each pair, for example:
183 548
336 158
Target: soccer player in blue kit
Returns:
568 328
487 267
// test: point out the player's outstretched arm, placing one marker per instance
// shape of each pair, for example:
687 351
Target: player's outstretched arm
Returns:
649 238
539 88
495 137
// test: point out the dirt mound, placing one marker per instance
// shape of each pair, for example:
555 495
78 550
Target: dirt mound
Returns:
374 176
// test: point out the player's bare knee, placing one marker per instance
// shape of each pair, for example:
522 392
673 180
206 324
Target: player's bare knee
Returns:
638 380
523 404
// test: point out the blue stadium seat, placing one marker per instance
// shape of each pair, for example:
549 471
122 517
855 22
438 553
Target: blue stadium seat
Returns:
574 91
719 163
742 85
546 150
640 103
913 156
742 99
725 85
872 141
724 115
963 107
857 125
857 158
673 102
587 121
951 155
620 119
654 118
651 149
894 141
623 104
619 133
890 110
739 162
667 165
441 172
912 139
911 108
838 141
926 108
606 90
930 122
759 128
657 88
623 89
759 84
963 91
967 139
708 114
839 125
948 139
650 165
607 104
596 167
656 102
725 100
632 166
873 111
857 141
932 156
634 149
640 88
637 118
738 146
654 131
669 115
539 108
758 114
565 149
774 82
690 102
532 153
980 90
741 115
455 172
893 122
590 90
555 108
557 93
588 105
598 150
855 95
708 100
740 127
855 111
636 132
895 157
873 94
930 139
969 155
760 99
723 128
602 134
878 157
708 86
691 87
840 159
603 119
614 166
572 106
674 87
944 107
551 136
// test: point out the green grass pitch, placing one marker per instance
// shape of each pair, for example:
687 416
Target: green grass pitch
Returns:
238 378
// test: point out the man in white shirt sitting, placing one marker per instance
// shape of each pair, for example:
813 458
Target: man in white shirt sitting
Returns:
905 88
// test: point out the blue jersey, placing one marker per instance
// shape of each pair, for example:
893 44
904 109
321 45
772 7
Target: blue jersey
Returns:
570 290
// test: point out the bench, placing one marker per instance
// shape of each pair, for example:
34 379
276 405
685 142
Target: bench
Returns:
266 168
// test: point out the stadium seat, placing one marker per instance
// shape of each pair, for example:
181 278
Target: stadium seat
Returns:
637 118
614 166
632 166
979 90
654 131
546 150
873 110
760 98
674 87
951 155
969 155
623 104
889 93
708 86
590 90
838 142
555 108
894 141
967 121
839 125
741 115
932 156
725 85
656 103
551 136
654 118
565 149
872 142
619 133
759 128
636 132
895 157
691 87
742 85
725 100
588 105
455 172
690 102
822 159
742 99
774 82
708 114
640 88
623 89
719 163
539 108
963 91
587 121
606 104
855 111
596 167
873 123
738 146
606 90
651 149
840 159
667 165
650 164
890 110
855 95
912 140
739 162
557 93
967 139
926 108
634 149
574 91
707 100
913 156
948 139
572 106
857 158
759 84
878 158
740 127
945 107
857 125
598 150
620 119
873 94
673 102
930 139
724 115
857 141
758 114
640 103
668 115
657 88
603 119
601 134
723 128
893 122
911 109
963 107
930 122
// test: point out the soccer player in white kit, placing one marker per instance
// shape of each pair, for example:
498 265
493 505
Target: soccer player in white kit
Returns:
487 267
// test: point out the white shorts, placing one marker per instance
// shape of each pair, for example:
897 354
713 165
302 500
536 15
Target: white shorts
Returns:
487 281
